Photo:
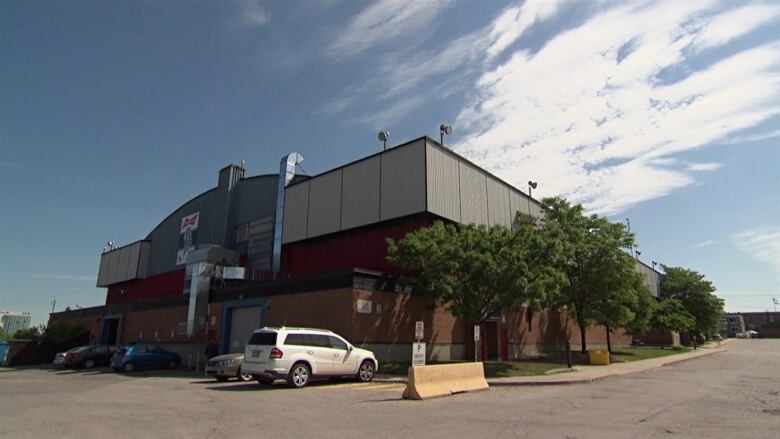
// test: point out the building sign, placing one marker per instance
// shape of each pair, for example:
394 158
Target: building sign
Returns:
364 306
418 354
476 332
419 330
188 235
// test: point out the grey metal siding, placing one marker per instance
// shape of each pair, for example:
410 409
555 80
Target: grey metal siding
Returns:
324 204
473 195
131 267
652 278
260 240
296 210
255 198
443 189
360 194
498 203
123 264
165 237
403 186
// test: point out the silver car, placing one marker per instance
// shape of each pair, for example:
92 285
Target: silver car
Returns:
224 367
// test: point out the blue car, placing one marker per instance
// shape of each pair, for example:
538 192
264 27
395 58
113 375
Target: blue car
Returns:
136 357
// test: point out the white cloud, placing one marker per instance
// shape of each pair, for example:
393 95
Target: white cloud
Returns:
763 244
725 27
706 243
701 167
394 79
383 21
252 14
751 137
592 117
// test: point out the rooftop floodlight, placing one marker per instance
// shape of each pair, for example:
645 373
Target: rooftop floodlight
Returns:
383 136
531 185
444 129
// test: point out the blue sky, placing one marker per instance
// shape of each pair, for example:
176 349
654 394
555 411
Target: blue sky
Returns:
114 113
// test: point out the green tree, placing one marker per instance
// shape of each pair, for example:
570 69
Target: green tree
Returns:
600 275
644 309
621 303
32 333
474 270
697 296
671 315
61 331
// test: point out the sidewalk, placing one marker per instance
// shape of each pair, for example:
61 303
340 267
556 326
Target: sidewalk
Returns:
583 374
589 374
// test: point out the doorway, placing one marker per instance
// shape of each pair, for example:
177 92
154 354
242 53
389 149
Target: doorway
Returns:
109 332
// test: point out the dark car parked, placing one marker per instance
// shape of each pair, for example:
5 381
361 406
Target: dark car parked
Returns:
86 356
132 358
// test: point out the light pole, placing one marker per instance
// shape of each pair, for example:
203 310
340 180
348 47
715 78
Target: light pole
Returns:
628 224
531 185
383 136
444 129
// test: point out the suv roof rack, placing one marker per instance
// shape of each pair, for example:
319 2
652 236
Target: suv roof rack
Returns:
294 328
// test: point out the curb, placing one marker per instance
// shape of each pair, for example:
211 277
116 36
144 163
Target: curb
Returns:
594 379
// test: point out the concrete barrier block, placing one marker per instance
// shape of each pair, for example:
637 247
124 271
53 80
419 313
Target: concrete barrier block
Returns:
444 379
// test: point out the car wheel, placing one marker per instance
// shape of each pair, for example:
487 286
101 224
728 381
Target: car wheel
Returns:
129 367
222 379
299 375
245 377
89 363
366 372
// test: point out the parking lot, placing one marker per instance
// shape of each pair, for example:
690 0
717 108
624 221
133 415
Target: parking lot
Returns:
730 394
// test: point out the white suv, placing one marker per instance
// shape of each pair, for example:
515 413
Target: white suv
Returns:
298 354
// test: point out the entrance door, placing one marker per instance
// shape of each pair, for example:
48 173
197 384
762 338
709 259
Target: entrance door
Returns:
243 322
491 341
109 334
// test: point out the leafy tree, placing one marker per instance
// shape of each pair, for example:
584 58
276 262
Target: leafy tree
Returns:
600 275
622 300
696 295
474 270
671 315
61 331
4 336
643 309
32 333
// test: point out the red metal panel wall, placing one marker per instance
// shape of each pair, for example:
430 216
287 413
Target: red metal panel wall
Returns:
361 248
163 284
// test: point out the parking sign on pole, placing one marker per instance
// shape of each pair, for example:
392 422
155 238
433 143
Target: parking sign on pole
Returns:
419 330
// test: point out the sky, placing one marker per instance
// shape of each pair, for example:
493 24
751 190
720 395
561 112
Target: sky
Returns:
114 113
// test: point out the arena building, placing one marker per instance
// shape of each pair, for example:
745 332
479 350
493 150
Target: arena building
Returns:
295 250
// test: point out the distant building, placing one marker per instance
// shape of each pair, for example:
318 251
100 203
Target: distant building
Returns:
766 323
10 322
733 324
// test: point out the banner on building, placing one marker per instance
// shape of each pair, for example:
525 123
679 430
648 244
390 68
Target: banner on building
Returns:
188 235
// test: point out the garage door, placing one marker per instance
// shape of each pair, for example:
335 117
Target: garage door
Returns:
243 322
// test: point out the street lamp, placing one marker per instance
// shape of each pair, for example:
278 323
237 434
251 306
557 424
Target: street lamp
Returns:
383 136
444 129
628 224
531 185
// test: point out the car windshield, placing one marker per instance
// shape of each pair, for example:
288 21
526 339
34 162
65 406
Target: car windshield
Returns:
82 348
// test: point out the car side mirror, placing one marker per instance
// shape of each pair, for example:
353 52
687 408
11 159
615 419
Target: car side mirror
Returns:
349 347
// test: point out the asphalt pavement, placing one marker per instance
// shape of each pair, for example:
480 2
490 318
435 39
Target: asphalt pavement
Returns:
735 393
